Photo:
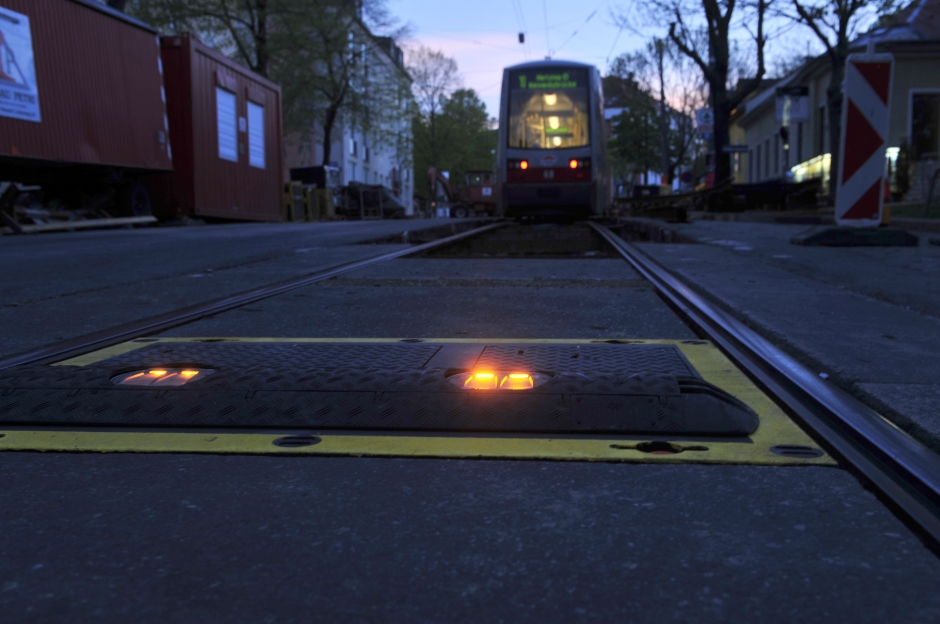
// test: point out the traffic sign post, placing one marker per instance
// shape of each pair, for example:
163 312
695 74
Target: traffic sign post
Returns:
865 121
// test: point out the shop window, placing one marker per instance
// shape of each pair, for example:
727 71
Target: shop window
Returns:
821 130
776 153
925 125
766 158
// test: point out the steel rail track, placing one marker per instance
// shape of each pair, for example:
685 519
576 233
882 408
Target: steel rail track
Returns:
136 329
900 467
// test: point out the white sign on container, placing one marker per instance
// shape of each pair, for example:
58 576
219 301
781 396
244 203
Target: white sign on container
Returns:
19 94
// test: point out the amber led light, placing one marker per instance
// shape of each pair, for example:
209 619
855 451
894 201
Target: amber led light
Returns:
498 380
161 377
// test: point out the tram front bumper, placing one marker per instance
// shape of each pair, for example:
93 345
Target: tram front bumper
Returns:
564 196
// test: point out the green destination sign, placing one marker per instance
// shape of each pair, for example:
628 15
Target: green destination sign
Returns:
561 79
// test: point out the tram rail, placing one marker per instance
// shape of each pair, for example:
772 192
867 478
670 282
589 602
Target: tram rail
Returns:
900 467
903 470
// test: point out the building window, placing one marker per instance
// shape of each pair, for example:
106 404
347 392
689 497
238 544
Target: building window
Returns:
757 168
227 121
776 153
821 130
750 166
352 172
799 143
256 135
925 124
766 158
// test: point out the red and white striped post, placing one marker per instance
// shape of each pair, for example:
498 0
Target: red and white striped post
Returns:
866 109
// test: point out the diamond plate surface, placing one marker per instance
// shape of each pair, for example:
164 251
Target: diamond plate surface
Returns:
624 359
372 399
265 354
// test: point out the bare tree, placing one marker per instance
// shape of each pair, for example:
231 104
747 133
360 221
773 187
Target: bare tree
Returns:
835 23
702 31
667 76
435 78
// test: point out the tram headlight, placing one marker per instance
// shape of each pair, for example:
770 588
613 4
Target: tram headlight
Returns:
556 141
553 123
551 99
573 164
524 165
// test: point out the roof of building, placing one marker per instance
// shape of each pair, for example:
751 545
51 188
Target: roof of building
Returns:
918 22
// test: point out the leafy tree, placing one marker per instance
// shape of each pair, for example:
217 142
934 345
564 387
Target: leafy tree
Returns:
461 138
635 142
434 78
452 131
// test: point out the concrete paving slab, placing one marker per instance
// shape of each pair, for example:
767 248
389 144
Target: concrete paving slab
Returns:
67 285
863 316
385 302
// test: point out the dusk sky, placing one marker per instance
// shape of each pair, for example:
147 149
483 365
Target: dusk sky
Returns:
481 35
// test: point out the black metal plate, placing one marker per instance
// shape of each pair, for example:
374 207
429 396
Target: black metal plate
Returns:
353 398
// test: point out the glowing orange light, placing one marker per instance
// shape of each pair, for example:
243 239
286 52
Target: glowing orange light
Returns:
573 164
517 381
481 381
161 377
524 165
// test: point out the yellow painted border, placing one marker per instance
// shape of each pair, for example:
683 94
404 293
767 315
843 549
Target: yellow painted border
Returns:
446 447
775 428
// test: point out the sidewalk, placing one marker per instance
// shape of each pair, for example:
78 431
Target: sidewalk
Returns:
868 317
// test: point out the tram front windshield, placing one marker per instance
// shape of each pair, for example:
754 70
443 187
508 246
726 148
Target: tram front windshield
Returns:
548 109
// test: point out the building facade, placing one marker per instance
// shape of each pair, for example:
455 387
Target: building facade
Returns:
382 155
914 40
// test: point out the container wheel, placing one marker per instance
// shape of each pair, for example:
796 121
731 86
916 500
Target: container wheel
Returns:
134 201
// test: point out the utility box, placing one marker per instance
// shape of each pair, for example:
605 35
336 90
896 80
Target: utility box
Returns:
225 129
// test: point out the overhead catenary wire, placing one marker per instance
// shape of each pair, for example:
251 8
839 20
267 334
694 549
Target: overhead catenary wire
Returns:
548 43
583 24
612 46
523 30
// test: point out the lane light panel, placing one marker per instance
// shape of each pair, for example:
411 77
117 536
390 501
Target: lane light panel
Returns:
161 377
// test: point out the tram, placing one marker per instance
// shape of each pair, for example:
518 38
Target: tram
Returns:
552 151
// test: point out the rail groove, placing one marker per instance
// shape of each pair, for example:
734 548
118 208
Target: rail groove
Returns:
900 467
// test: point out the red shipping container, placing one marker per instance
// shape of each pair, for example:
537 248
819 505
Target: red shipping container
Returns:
225 128
80 94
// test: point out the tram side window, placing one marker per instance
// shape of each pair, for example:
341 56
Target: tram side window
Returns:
548 109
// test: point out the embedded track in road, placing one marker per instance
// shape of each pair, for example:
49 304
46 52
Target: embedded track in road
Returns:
904 471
